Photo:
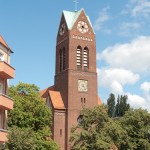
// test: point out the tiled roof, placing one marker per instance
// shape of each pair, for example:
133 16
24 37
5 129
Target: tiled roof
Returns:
2 41
99 101
56 99
44 93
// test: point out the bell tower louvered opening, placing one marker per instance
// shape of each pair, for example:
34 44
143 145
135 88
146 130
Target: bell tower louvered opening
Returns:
86 59
79 57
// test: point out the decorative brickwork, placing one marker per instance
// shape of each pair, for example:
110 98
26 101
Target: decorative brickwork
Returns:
75 74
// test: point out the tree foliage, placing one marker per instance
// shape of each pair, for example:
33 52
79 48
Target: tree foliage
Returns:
30 114
111 105
121 106
137 125
98 131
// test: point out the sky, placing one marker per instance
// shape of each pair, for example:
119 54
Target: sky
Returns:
122 39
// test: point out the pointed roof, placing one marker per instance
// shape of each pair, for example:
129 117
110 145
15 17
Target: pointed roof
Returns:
71 18
44 92
2 41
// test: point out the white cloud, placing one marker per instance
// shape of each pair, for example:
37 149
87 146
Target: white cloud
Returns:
142 7
145 86
103 17
138 8
115 78
133 56
137 101
127 28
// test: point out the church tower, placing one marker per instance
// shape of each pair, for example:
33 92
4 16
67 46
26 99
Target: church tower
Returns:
75 83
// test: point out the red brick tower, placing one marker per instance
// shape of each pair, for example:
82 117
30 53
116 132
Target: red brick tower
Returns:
75 85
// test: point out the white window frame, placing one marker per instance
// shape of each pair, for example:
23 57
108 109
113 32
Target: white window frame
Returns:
1 56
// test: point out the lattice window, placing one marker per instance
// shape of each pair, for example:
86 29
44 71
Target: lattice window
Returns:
79 57
86 58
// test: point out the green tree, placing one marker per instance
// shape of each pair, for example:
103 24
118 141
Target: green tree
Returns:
30 113
96 131
20 139
137 124
122 106
111 105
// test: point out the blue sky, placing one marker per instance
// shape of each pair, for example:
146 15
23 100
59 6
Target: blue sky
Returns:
122 34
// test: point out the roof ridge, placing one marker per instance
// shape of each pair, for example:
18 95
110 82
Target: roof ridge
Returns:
71 17
3 42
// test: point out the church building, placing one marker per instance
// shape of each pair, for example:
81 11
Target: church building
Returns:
75 81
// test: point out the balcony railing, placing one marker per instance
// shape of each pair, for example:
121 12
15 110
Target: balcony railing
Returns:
6 71
6 103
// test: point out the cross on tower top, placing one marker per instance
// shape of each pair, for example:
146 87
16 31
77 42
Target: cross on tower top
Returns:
76 4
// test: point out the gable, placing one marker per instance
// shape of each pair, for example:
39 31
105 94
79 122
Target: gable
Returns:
72 17
2 41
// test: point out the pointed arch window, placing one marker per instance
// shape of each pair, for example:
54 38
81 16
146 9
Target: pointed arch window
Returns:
64 59
86 58
60 60
79 57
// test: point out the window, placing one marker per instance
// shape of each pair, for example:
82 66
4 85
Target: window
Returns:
1 87
86 58
84 100
79 57
64 59
2 119
60 60
1 56
60 132
80 119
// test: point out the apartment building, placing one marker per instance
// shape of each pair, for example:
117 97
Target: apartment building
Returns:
6 72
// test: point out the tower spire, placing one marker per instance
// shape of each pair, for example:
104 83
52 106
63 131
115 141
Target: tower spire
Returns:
76 4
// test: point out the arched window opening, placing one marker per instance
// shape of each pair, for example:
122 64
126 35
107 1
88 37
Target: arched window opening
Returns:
64 59
60 60
80 119
79 57
86 59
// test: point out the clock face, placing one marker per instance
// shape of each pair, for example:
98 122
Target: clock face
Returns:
82 27
62 29
82 85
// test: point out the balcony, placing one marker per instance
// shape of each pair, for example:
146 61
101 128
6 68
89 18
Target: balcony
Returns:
6 71
6 103
3 136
